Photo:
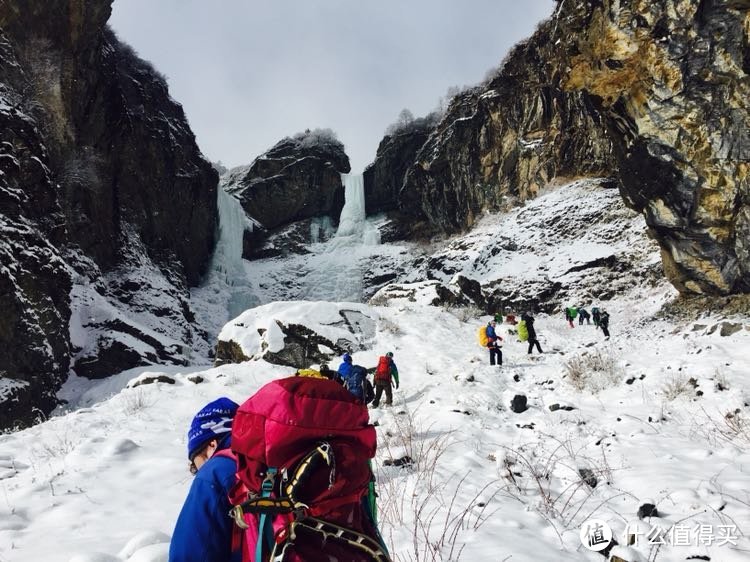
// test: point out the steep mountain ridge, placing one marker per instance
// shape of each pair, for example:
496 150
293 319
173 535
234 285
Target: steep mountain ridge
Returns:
651 94
99 175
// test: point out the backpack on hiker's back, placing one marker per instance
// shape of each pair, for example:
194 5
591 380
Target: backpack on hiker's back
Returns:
482 337
523 331
305 488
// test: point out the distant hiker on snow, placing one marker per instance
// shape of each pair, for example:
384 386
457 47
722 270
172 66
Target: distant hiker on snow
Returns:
385 374
510 318
529 321
596 315
493 343
203 532
570 314
604 323
583 315
354 379
346 366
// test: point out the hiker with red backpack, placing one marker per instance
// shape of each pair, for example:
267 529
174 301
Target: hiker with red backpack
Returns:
386 373
305 489
203 532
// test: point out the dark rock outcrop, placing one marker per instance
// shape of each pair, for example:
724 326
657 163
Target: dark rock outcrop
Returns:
502 141
639 91
672 88
98 170
397 151
299 178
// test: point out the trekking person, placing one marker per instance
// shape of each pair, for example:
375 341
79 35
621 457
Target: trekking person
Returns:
595 315
510 318
386 374
203 532
604 323
357 383
493 343
346 366
529 320
305 488
570 315
583 314
330 374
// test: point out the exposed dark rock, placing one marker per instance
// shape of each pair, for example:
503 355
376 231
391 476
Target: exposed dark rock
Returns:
588 476
674 106
95 159
289 239
151 380
518 404
504 140
299 178
301 347
405 461
647 510
384 178
229 352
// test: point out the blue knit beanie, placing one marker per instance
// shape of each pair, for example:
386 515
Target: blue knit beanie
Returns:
214 421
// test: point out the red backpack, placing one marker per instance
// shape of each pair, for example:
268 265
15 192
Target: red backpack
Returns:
383 370
303 448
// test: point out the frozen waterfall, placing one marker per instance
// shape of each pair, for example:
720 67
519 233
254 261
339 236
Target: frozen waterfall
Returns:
227 290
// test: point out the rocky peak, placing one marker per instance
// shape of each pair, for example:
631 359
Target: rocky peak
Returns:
671 86
298 178
104 198
384 178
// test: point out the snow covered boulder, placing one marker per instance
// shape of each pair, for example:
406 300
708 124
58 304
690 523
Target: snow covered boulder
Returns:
297 333
432 293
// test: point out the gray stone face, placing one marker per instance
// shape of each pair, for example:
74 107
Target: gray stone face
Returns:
299 178
97 162
671 87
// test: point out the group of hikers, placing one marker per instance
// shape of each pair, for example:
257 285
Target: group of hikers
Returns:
292 461
599 316
491 339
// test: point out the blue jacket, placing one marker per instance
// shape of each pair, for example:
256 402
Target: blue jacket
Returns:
344 369
354 382
203 532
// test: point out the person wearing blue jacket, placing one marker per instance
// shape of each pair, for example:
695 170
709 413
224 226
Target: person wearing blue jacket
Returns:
493 343
203 532
346 366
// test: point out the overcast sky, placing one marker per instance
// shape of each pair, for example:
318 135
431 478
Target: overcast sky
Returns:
250 72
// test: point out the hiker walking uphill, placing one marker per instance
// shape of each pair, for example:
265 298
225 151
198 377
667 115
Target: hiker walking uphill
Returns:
596 315
203 532
529 321
604 323
354 379
583 314
570 314
386 374
489 338
305 489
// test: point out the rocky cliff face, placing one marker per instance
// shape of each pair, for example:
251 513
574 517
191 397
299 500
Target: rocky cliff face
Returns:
670 80
397 151
299 178
652 94
107 208
502 141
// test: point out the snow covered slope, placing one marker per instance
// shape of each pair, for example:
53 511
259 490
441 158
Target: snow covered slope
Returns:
656 415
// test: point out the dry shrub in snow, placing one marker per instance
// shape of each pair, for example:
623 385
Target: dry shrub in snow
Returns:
593 370
416 497
464 313
678 386
385 325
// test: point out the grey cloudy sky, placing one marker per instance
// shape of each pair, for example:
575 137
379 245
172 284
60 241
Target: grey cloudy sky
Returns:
250 72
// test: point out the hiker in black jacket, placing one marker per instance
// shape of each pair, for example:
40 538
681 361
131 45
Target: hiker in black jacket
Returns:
529 319
604 323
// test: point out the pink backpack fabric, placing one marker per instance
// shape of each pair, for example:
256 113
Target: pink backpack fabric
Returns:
285 426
